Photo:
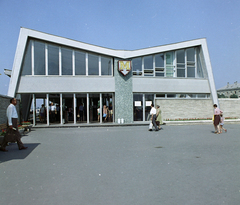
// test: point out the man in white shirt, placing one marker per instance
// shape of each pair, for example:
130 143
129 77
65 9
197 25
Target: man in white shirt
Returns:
12 134
153 113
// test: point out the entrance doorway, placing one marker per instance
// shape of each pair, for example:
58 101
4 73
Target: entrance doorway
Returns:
94 104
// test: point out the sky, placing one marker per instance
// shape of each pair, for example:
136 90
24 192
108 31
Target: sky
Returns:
128 25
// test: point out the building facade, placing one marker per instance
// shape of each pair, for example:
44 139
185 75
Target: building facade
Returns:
80 79
230 90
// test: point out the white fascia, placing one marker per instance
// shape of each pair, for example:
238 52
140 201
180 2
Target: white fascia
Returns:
209 71
122 54
21 45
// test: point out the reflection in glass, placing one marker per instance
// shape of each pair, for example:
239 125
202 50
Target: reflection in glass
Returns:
26 66
138 107
39 58
93 65
137 66
53 60
80 63
66 61
169 64
106 68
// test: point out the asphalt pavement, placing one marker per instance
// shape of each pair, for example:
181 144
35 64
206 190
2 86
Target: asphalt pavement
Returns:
179 165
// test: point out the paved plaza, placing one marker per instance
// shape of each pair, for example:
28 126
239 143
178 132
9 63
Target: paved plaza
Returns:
128 165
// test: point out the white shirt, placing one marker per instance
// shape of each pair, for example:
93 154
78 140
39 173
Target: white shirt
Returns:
11 113
153 111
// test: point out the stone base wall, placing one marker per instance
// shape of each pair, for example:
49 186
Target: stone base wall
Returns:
185 108
230 107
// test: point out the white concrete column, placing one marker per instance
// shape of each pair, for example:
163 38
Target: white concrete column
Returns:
34 110
74 109
101 108
61 109
88 108
47 109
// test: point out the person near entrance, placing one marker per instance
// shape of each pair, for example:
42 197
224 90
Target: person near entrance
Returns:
12 134
153 113
52 112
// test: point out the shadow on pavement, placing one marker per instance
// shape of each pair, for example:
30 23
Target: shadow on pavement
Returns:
15 153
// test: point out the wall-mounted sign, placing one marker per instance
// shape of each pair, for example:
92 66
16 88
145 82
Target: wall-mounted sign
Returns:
148 103
138 103
124 67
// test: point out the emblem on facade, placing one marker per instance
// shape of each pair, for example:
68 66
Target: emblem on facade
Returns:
124 67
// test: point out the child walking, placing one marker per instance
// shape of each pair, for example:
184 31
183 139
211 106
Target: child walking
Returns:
222 123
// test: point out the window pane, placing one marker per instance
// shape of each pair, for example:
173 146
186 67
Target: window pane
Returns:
148 62
138 107
148 98
201 95
199 66
26 66
171 95
159 60
66 61
180 56
39 58
159 74
169 58
191 54
106 68
53 60
191 72
181 95
191 95
80 63
137 66
180 72
93 65
160 95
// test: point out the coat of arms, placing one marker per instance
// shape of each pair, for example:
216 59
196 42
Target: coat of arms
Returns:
124 67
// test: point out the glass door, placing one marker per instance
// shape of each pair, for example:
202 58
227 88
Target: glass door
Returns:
94 105
138 107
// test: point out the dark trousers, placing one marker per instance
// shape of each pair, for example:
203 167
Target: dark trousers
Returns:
12 135
154 122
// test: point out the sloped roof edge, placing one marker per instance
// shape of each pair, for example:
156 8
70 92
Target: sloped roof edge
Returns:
107 51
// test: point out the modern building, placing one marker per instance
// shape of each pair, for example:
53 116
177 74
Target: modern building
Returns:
70 73
230 90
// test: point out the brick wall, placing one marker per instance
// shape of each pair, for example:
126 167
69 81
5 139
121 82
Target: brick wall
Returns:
185 108
230 107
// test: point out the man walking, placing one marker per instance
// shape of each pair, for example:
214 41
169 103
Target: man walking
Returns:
153 113
12 134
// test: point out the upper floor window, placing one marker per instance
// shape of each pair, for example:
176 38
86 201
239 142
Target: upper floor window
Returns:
66 61
39 58
80 63
53 60
148 65
93 64
106 66
183 63
137 66
159 65
26 65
